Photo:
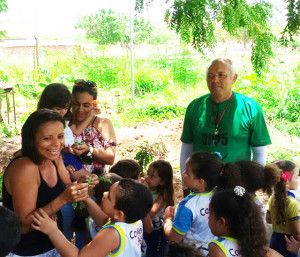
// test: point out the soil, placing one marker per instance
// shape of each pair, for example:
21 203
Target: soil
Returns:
128 140
168 131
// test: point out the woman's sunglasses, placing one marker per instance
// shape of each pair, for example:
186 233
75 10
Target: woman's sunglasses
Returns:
83 83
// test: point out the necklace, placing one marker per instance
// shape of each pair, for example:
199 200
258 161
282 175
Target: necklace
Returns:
217 121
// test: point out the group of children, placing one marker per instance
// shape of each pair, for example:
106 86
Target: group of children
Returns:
221 216
134 215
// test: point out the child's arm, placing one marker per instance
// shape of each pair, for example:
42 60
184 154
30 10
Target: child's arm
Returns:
272 253
95 212
215 251
78 174
157 206
43 223
268 217
295 229
147 224
105 241
168 227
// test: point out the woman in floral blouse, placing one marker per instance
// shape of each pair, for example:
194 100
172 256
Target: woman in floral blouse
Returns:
95 139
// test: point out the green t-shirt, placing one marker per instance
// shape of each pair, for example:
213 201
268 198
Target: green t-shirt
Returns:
242 126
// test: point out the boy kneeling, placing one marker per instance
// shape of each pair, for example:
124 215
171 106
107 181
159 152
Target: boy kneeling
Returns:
126 203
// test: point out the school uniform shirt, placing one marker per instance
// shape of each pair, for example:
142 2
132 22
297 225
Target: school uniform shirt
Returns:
292 214
259 202
158 219
69 139
229 246
131 236
93 228
191 220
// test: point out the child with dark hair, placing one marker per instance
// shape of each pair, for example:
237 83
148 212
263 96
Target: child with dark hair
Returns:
127 169
160 180
283 209
11 228
105 182
235 219
126 203
182 250
257 177
131 169
204 171
57 97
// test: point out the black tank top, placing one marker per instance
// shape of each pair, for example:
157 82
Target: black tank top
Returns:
35 242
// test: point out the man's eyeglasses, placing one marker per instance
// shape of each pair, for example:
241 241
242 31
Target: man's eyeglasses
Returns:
83 83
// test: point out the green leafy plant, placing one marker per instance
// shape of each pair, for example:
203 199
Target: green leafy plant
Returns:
149 152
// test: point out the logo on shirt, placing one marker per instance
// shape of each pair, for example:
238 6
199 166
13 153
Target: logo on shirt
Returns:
211 139
137 236
235 252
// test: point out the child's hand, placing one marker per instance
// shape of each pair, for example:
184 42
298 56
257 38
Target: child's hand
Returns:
169 213
143 181
91 179
43 223
96 110
70 169
69 149
292 244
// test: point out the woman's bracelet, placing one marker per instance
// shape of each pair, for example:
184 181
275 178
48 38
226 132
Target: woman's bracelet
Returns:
90 153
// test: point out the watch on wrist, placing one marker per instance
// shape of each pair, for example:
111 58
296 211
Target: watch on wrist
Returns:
90 153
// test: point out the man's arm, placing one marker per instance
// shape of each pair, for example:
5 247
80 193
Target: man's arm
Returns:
186 151
260 154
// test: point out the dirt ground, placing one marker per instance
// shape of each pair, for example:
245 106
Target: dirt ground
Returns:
169 131
128 140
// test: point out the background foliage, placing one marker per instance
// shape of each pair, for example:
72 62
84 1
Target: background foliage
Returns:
195 21
3 8
109 27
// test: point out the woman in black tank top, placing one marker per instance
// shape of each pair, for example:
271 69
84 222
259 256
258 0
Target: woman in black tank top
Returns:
37 178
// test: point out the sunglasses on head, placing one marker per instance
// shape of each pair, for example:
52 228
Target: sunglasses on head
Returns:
82 82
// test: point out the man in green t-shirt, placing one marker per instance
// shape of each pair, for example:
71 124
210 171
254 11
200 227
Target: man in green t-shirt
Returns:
224 121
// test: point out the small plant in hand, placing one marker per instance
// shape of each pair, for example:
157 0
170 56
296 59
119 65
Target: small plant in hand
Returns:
103 179
149 152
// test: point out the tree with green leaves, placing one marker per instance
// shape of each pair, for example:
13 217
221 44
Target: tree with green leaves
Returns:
3 8
195 21
108 27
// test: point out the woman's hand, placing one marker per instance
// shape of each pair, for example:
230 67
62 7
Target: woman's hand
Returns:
75 192
80 149
43 223
92 180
